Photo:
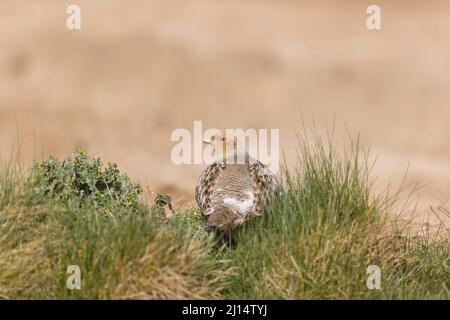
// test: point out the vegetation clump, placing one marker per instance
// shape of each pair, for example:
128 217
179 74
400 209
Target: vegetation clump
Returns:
83 180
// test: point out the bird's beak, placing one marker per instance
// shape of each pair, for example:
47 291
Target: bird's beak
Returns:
206 142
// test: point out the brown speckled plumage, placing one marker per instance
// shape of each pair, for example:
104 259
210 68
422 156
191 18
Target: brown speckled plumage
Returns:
231 194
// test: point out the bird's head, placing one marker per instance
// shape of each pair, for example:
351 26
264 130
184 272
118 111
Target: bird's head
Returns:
223 146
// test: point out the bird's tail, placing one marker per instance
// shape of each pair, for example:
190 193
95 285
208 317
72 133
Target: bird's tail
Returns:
221 218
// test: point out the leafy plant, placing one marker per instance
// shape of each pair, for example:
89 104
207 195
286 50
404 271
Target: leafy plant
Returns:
83 180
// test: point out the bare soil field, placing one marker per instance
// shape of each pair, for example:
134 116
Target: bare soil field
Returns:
137 71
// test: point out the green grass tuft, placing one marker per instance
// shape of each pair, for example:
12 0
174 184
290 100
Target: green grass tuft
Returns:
317 239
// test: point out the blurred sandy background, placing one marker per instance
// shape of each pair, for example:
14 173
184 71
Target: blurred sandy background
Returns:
138 70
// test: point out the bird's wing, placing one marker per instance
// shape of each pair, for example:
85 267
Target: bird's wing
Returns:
206 184
265 183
